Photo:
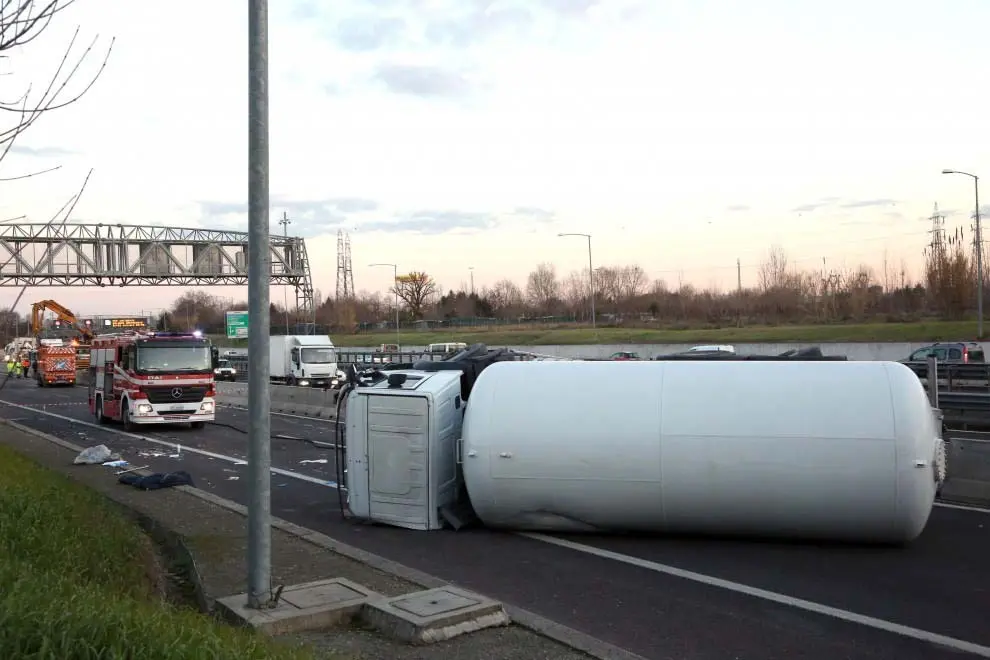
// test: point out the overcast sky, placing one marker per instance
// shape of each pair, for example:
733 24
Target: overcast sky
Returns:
445 135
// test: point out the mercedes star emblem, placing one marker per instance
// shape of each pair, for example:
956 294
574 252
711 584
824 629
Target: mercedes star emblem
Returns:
176 392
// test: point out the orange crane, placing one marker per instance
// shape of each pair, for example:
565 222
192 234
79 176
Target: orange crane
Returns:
65 315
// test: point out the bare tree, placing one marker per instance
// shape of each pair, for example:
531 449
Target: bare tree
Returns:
542 287
504 297
21 22
416 290
773 272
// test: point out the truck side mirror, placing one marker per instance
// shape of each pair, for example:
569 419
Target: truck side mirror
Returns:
215 356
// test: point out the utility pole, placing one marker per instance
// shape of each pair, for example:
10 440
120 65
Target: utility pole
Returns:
395 289
471 269
285 222
739 275
259 453
591 279
979 251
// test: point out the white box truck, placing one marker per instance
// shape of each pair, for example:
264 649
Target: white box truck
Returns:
304 360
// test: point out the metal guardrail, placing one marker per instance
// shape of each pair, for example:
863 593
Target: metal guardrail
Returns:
956 377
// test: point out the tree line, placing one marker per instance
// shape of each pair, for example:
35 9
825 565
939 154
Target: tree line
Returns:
625 295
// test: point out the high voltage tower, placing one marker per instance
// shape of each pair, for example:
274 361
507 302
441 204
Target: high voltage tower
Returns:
345 268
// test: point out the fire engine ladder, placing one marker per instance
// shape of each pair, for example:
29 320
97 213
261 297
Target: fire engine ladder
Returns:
304 287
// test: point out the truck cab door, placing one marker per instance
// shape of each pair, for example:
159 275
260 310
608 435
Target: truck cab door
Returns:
108 381
295 361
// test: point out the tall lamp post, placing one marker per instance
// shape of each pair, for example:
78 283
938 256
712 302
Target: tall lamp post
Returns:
395 289
591 277
979 251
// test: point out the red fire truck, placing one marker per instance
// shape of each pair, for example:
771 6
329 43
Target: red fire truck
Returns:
152 378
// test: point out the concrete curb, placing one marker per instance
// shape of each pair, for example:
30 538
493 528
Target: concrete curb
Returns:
559 633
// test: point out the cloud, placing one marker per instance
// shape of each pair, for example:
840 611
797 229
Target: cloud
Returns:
425 81
833 201
534 214
40 152
433 222
568 7
210 208
353 204
867 203
307 217
737 208
478 25
368 32
808 208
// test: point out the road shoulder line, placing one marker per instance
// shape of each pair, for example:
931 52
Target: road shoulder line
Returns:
557 632
953 643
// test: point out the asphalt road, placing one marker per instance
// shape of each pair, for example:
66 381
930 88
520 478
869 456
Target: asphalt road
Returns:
939 585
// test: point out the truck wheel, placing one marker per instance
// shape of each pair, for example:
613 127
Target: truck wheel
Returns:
125 417
290 381
197 425
100 417
41 383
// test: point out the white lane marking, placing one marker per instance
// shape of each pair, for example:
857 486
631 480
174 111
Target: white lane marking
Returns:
799 603
308 419
962 507
171 445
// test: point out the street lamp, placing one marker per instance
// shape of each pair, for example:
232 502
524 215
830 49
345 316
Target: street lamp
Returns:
979 251
395 289
591 277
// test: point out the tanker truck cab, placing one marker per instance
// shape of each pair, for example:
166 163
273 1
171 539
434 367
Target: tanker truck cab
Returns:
402 435
402 440
303 360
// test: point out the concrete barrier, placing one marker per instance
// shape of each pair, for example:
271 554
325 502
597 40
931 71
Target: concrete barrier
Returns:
303 401
968 471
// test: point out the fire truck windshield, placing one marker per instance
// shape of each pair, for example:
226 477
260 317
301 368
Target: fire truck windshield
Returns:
317 356
153 358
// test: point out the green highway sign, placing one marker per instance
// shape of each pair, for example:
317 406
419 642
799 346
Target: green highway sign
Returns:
237 325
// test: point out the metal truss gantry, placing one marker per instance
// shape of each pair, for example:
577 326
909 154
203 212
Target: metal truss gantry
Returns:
129 255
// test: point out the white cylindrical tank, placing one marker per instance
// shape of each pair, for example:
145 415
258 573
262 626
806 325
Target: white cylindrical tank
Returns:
828 450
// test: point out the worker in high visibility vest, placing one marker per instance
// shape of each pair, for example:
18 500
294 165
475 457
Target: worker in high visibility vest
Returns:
25 366
10 367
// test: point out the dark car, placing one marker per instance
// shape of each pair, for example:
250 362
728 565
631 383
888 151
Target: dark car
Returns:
623 355
964 352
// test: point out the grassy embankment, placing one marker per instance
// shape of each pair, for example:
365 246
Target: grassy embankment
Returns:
79 580
573 335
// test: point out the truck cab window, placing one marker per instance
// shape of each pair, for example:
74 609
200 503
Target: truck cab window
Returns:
295 355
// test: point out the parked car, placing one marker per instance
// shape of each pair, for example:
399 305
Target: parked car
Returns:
624 355
963 352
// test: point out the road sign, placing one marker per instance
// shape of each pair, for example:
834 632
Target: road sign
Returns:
126 324
237 325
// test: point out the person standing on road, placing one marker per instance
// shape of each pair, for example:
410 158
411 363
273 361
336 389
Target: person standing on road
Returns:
10 367
25 366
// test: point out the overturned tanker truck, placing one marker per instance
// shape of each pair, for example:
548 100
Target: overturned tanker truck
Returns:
795 446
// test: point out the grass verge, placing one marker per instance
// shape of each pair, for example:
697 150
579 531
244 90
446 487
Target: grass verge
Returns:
921 331
79 580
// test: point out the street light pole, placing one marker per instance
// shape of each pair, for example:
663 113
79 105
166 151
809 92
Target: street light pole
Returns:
471 269
259 450
591 278
979 251
395 290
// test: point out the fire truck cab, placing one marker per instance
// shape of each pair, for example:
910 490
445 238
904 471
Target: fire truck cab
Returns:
152 378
